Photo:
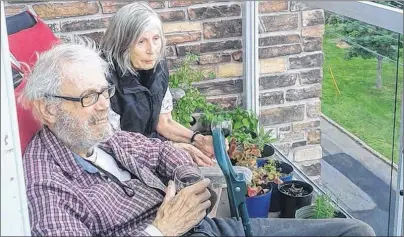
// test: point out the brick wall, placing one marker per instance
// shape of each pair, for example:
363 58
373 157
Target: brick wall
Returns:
290 55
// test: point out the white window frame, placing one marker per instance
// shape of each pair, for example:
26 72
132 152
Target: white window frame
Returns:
14 208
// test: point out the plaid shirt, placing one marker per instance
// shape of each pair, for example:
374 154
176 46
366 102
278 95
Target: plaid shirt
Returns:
66 200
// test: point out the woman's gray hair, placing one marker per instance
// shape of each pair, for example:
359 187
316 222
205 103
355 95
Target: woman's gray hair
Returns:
123 31
54 65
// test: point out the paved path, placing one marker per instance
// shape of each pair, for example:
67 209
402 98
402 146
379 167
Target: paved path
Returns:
360 180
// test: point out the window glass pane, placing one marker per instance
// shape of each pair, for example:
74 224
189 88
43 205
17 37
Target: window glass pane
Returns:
358 136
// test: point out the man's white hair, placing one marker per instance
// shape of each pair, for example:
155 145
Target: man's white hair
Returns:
58 64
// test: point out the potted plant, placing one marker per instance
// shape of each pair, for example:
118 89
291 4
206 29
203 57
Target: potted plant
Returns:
243 154
259 191
257 146
294 195
286 174
323 208
190 100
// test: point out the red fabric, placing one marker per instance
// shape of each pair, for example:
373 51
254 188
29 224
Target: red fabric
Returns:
27 125
24 45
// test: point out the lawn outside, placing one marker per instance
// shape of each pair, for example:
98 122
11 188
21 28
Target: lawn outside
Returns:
362 109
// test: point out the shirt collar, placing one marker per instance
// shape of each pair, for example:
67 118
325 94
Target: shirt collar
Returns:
87 166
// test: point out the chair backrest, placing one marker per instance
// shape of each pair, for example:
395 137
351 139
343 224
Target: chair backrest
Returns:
27 124
19 22
27 40
27 37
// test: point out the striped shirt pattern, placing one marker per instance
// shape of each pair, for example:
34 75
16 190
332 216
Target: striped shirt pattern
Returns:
66 200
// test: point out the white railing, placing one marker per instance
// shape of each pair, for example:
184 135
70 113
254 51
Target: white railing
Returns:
14 210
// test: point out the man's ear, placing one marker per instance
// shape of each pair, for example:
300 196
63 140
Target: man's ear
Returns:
46 112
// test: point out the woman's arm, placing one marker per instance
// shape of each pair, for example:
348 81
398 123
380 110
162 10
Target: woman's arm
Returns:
176 132
201 149
173 130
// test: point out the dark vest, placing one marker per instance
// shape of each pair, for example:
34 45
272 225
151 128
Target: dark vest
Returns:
138 98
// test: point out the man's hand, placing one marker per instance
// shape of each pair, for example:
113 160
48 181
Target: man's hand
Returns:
205 144
180 213
197 156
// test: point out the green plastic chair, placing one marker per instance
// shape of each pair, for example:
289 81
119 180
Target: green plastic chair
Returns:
236 184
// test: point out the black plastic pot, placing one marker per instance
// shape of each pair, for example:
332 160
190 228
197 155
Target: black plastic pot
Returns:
289 204
339 214
233 162
275 197
267 151
193 122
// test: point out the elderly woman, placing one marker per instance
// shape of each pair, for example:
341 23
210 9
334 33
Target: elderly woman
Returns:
134 45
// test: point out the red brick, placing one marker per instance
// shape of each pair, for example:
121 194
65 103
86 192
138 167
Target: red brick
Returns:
273 6
172 16
183 50
184 3
279 50
207 12
227 103
208 47
67 9
85 24
282 22
222 29
157 4
222 87
114 6
13 9
214 58
178 38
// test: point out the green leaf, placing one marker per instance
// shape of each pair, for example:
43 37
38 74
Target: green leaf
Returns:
246 122
237 125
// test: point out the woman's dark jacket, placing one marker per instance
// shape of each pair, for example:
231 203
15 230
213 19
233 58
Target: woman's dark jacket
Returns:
138 98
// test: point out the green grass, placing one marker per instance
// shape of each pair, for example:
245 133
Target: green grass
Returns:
361 108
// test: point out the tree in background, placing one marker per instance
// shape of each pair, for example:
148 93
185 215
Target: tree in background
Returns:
369 42
366 41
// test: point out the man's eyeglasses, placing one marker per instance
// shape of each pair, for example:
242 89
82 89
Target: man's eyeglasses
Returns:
89 99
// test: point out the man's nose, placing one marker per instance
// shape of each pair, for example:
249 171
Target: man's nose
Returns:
102 103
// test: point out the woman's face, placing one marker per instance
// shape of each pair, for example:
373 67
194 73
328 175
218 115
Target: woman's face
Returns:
145 52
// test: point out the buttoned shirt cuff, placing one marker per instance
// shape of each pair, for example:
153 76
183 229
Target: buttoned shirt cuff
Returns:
153 231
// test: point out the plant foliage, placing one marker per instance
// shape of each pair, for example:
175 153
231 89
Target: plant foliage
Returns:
324 207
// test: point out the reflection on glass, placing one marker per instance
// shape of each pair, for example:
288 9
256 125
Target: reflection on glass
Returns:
361 100
360 80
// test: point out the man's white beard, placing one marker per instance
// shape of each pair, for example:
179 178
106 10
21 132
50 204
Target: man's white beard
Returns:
79 137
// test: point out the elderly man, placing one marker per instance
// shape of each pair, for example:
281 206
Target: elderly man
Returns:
84 177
